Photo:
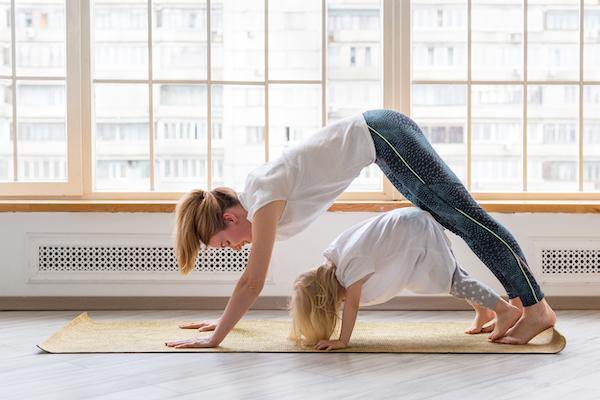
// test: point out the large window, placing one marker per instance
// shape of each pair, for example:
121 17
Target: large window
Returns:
507 91
150 98
196 94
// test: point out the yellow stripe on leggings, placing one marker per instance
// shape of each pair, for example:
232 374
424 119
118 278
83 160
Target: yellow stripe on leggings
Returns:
465 214
398 154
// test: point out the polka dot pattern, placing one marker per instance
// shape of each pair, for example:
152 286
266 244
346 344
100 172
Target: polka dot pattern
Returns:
470 289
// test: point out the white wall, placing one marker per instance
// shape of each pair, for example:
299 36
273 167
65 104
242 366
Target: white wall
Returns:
290 257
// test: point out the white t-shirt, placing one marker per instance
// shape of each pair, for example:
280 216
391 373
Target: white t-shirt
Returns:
310 175
404 249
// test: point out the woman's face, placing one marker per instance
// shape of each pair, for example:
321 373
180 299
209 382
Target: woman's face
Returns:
237 232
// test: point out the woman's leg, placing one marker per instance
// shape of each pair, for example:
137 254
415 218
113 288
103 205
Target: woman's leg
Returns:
419 173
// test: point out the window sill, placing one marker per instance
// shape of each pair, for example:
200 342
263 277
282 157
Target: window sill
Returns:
168 206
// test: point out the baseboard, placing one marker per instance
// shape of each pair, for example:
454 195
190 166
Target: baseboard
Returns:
263 303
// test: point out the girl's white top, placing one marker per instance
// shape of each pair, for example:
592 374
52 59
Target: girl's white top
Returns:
404 249
311 174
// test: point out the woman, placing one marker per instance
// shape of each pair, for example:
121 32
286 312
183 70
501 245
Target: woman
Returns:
281 198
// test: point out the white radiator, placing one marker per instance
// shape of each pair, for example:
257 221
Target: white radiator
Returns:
130 258
566 260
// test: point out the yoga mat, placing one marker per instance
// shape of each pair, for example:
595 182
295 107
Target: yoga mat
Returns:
84 335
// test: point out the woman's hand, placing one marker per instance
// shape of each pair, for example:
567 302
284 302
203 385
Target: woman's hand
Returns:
328 345
202 326
190 343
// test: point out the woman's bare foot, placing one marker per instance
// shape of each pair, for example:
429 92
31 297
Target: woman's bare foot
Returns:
482 317
507 315
517 303
536 319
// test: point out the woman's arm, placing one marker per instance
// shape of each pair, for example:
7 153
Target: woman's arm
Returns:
249 286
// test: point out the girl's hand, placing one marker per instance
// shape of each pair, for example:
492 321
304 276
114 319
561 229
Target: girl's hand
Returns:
203 326
189 343
328 345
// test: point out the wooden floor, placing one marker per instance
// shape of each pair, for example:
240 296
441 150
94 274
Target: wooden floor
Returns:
26 373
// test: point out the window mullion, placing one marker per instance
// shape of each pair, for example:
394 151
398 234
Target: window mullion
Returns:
73 103
525 96
396 66
469 124
266 99
581 55
151 100
14 90
208 98
404 56
85 83
390 48
323 62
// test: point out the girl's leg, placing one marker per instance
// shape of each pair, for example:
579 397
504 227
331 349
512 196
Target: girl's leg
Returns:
419 173
465 287
486 302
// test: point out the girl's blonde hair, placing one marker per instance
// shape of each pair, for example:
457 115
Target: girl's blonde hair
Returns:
199 216
315 305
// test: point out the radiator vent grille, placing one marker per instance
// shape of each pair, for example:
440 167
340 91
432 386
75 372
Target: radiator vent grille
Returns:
570 261
134 259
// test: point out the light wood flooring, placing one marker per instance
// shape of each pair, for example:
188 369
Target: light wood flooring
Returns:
27 373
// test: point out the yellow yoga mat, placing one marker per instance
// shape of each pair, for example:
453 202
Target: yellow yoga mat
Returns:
84 335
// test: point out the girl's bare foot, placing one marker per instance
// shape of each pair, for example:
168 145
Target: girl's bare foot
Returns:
482 317
536 319
507 316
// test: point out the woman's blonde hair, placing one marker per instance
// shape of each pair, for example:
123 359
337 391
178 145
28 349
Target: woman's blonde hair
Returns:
314 307
199 216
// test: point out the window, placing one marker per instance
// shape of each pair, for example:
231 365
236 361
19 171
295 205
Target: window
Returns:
39 141
226 90
184 94
530 112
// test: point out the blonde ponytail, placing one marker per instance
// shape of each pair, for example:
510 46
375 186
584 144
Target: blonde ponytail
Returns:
199 216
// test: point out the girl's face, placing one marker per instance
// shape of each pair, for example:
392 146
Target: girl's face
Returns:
237 232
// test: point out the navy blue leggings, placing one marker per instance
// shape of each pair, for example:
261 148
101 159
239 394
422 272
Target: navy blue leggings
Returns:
413 166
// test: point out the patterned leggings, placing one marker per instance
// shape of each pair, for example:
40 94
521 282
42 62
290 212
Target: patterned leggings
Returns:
468 288
419 173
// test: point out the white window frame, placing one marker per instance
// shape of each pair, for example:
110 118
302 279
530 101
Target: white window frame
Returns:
74 183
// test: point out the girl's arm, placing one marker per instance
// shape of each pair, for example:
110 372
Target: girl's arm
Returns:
350 311
351 305
251 282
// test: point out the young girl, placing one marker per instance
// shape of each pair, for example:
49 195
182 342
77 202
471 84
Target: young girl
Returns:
371 262
281 198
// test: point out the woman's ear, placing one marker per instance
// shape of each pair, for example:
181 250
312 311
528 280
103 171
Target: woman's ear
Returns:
230 217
